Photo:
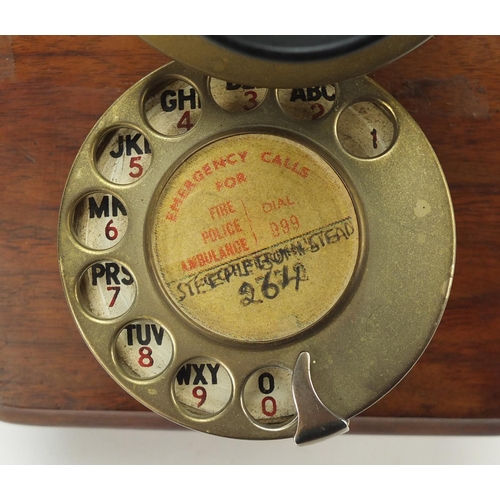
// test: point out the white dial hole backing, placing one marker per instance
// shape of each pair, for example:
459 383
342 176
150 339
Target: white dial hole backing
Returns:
107 289
267 396
234 97
144 348
203 387
174 108
366 130
100 221
309 103
123 156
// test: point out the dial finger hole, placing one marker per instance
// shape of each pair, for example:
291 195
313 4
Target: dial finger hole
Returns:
236 98
123 156
267 396
174 108
202 387
100 221
366 130
144 348
309 103
107 289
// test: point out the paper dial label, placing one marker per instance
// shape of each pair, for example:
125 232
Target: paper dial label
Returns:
255 237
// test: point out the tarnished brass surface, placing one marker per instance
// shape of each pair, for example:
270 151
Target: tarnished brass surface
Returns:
215 60
386 314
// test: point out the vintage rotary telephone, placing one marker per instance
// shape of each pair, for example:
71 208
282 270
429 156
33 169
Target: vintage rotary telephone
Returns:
256 241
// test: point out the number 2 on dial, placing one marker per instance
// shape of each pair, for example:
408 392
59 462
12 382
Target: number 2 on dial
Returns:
319 113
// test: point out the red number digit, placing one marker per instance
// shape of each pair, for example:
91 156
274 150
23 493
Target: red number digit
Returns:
319 113
285 226
110 231
200 393
252 100
116 289
145 358
185 121
295 222
134 164
272 411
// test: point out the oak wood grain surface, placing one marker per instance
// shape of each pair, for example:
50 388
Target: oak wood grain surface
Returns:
53 90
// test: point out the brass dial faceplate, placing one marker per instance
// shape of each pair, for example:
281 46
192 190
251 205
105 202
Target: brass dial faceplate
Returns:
205 242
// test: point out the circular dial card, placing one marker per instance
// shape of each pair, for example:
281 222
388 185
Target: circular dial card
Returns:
261 226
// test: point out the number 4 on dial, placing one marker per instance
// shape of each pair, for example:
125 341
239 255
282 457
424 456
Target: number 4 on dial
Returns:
185 121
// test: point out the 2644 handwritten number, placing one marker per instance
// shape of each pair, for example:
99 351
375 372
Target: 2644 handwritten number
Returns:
272 284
